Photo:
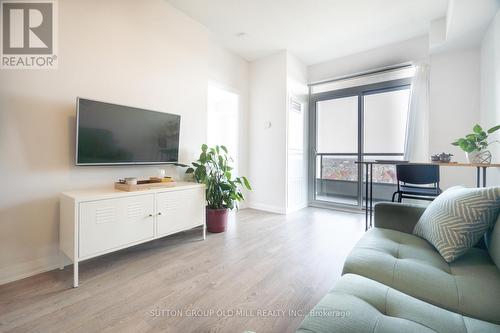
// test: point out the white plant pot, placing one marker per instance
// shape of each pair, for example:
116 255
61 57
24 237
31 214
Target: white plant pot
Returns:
479 157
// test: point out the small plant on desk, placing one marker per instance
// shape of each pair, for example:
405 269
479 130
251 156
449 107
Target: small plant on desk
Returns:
475 145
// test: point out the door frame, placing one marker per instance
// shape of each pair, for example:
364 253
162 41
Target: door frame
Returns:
241 141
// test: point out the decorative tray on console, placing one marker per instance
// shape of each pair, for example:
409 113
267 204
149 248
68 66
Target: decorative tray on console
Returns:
144 185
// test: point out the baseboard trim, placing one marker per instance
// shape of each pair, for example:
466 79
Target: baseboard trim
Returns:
296 208
267 208
27 269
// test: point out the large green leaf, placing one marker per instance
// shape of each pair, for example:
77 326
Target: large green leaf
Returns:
226 187
246 182
203 158
477 128
494 129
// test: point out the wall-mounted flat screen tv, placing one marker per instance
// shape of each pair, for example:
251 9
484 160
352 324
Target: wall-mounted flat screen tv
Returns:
111 134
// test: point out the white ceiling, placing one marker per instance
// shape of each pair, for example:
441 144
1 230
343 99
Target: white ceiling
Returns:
313 30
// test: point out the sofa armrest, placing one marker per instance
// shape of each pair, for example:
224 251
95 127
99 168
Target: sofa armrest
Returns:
397 216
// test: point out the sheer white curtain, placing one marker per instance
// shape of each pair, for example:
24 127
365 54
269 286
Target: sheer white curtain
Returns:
417 132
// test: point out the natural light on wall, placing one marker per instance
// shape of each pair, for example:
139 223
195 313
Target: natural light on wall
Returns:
223 120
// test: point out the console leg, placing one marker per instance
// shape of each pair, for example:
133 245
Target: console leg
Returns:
75 274
204 231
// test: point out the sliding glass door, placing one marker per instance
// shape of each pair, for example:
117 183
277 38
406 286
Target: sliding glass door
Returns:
354 124
337 146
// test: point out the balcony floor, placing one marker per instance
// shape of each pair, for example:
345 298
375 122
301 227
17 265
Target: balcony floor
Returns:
344 200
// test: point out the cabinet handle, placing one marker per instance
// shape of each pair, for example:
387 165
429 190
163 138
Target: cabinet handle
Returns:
150 215
159 213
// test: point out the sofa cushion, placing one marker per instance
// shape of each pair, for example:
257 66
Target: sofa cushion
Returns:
470 285
357 304
493 243
457 219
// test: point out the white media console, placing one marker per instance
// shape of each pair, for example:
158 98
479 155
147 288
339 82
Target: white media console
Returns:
96 222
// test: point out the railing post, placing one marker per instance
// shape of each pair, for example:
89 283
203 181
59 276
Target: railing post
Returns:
321 167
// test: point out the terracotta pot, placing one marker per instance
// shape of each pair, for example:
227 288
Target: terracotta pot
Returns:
216 220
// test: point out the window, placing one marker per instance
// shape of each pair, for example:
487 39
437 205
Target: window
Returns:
385 117
337 120
354 123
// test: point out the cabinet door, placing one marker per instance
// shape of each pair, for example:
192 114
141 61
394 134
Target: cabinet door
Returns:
180 210
110 224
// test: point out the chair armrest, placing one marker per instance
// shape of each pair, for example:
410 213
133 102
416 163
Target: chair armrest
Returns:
397 216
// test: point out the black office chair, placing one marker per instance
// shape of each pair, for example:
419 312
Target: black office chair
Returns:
417 181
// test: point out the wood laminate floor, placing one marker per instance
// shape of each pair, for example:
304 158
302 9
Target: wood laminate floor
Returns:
262 275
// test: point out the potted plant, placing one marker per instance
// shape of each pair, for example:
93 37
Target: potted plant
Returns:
223 192
476 144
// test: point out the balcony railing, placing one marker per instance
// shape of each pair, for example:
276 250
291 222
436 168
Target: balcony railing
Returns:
338 177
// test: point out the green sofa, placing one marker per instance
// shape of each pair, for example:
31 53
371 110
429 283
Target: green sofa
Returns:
394 281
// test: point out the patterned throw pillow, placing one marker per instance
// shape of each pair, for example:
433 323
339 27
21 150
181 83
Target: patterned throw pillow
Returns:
456 220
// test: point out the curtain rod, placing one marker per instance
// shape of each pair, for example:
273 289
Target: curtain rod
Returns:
364 73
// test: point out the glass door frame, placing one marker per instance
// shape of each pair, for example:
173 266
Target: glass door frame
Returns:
360 92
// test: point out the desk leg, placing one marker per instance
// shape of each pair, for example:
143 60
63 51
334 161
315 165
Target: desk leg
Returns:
366 197
478 177
484 176
371 195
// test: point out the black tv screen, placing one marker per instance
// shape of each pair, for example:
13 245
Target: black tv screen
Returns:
115 134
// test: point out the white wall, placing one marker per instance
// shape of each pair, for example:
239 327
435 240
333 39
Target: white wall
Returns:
410 50
277 171
150 56
454 108
267 149
490 89
297 148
